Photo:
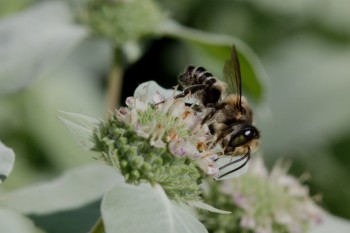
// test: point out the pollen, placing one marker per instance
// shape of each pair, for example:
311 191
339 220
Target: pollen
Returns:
172 135
202 146
159 126
186 114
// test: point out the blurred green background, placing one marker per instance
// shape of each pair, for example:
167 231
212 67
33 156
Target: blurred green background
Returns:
50 60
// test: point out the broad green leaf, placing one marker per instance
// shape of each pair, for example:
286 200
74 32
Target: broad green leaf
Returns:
207 207
216 49
291 7
143 209
73 189
331 224
308 112
72 87
80 126
12 222
309 95
33 42
337 18
7 159
8 7
80 219
85 121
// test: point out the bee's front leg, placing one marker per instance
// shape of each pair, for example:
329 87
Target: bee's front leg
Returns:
209 115
191 89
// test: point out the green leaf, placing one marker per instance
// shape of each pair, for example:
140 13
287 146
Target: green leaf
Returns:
33 42
337 20
309 97
136 209
12 222
79 219
80 126
7 159
331 224
73 189
205 206
216 49
13 6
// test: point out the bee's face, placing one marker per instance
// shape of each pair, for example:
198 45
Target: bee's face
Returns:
242 140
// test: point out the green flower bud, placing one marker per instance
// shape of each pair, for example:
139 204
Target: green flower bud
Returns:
123 163
136 162
123 20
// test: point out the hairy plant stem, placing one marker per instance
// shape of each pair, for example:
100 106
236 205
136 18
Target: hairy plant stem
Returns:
98 227
115 80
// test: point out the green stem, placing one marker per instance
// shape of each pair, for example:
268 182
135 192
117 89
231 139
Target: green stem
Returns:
98 227
115 82
173 29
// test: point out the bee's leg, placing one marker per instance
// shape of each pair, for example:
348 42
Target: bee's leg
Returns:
213 142
195 107
245 157
209 115
191 89
161 102
220 130
219 154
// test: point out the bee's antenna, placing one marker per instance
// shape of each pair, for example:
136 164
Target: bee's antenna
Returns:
246 156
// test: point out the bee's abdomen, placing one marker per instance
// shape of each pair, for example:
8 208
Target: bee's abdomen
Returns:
196 75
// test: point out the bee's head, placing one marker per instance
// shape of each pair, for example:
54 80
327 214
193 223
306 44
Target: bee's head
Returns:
243 138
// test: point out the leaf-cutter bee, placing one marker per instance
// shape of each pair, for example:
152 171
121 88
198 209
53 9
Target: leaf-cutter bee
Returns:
228 115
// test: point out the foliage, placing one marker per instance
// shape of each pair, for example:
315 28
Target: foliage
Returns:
297 77
7 159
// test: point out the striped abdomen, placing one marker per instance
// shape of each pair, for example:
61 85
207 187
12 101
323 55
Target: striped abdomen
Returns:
196 75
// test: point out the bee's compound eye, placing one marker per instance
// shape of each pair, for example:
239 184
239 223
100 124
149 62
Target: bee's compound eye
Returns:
245 135
251 133
238 140
248 133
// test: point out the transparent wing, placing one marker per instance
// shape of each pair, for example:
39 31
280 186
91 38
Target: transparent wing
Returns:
232 74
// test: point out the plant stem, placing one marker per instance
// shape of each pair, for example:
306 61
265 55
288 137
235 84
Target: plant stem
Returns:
98 227
173 29
115 82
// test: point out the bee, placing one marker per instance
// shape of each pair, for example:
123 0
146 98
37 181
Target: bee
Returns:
226 111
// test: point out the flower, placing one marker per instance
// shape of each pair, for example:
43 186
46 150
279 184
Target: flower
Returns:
158 139
123 21
262 202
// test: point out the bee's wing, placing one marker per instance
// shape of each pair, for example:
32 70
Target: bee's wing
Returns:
232 74
229 170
